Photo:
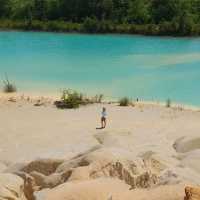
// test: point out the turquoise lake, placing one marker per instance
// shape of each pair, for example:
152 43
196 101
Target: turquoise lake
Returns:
148 68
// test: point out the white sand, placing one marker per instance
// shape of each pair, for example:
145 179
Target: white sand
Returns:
173 135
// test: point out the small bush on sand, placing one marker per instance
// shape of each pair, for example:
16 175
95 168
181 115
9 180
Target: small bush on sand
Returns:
98 98
125 101
168 103
73 99
8 86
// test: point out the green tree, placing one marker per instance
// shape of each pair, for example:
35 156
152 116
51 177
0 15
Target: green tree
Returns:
165 10
186 18
53 10
107 6
90 25
120 10
40 9
21 9
195 10
4 8
138 12
155 17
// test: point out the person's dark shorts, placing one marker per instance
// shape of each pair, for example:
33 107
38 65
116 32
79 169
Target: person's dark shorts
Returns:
103 119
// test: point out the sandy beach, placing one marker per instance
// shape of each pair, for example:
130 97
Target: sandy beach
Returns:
147 151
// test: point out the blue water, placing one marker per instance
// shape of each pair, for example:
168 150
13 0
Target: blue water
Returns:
149 68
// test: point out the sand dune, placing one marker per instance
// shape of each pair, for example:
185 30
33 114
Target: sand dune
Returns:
146 151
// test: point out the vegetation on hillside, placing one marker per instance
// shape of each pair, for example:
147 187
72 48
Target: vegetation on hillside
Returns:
125 101
8 86
73 99
152 17
168 103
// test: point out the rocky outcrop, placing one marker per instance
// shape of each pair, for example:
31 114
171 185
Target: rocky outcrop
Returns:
105 163
11 187
110 189
98 189
29 185
44 166
50 181
109 165
186 144
192 193
13 168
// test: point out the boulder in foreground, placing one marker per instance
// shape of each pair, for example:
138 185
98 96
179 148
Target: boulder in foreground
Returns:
11 187
192 193
108 188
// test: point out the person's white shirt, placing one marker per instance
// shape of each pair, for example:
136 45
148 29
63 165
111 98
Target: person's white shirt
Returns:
104 114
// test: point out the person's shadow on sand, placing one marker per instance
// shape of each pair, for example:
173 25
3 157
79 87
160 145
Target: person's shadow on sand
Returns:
99 128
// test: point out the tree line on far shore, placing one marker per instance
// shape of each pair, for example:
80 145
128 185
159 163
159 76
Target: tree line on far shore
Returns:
150 17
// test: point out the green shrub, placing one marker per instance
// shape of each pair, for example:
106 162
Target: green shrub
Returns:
168 103
73 99
105 26
95 25
8 86
125 101
90 25
98 98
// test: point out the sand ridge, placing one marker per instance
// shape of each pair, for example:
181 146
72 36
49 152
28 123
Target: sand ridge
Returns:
145 146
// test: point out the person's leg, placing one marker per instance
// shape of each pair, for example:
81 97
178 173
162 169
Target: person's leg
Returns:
102 123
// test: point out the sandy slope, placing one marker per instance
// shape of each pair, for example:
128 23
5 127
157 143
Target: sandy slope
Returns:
170 135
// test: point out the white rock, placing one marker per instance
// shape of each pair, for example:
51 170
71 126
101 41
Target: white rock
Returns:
11 187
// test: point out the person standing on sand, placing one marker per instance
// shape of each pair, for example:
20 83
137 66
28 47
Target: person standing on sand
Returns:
103 118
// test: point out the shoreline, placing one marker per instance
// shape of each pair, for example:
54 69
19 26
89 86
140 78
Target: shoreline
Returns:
101 33
51 98
154 30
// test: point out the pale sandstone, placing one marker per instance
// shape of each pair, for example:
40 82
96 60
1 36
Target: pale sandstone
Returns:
147 148
11 187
